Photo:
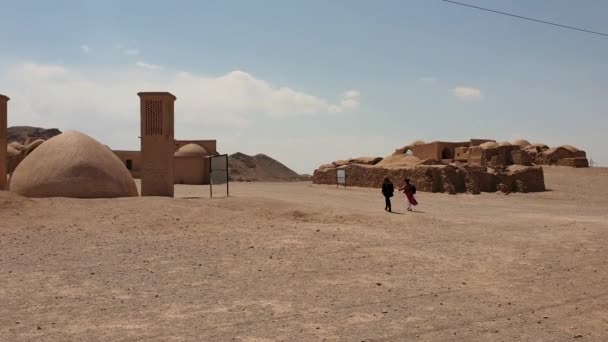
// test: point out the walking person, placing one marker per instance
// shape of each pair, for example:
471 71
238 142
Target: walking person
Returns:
409 190
387 190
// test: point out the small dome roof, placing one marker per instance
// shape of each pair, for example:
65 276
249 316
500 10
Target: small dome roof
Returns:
417 142
522 143
570 148
489 144
191 150
504 143
72 164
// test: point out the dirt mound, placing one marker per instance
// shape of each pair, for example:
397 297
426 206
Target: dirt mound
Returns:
261 168
21 133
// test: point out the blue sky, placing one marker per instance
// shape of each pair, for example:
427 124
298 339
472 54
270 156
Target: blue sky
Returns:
308 82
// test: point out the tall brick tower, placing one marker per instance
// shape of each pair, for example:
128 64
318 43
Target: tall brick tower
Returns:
157 143
3 139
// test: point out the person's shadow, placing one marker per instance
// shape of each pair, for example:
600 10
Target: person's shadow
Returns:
413 212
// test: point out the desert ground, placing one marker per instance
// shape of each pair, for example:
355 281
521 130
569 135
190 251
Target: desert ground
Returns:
302 262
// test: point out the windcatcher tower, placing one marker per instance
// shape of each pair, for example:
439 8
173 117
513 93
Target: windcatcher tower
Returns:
157 143
3 139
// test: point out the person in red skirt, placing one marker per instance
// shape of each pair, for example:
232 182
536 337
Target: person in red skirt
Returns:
409 190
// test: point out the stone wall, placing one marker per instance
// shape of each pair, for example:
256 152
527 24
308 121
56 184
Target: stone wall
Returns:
562 157
521 157
440 178
573 162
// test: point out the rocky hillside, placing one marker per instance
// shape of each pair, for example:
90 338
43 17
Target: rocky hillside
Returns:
20 133
260 168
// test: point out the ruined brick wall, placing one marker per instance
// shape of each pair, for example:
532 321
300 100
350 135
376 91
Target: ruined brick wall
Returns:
507 153
573 162
427 151
529 179
373 176
562 157
521 157
461 154
475 155
445 178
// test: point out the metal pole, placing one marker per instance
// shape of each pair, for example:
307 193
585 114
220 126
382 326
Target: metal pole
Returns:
210 178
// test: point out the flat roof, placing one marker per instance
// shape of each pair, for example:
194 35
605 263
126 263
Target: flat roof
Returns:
156 93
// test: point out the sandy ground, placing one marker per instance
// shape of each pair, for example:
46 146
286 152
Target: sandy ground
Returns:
300 262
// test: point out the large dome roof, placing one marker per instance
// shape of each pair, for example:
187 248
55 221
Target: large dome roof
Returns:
72 164
489 144
191 150
522 143
570 148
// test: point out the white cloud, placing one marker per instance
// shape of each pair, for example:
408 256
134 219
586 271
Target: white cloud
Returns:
467 93
148 65
85 48
104 103
428 79
351 100
131 52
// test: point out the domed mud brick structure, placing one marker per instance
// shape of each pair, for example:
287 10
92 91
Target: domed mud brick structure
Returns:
191 165
3 140
72 164
157 143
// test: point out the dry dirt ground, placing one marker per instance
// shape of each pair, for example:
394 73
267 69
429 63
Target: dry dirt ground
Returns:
299 262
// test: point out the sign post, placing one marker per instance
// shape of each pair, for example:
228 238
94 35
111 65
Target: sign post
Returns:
341 177
218 173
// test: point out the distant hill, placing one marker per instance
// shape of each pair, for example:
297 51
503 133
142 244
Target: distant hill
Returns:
20 133
260 168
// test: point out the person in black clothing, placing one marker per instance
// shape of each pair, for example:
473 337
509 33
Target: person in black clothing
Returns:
387 191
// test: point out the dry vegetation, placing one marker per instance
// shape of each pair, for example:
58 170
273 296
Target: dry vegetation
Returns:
302 262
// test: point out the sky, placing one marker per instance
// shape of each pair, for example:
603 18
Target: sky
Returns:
309 82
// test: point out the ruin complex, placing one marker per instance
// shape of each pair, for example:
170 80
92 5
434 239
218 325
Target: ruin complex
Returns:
485 152
478 165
